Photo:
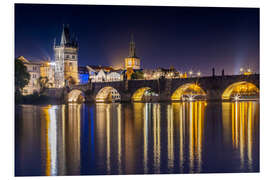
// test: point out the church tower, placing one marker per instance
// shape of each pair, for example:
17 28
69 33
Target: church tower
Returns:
132 61
66 60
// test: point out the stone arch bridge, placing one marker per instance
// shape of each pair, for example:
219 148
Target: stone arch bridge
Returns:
212 86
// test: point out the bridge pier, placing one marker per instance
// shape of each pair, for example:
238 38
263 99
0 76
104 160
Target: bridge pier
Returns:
214 95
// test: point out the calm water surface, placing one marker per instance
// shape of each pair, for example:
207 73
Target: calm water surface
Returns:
137 138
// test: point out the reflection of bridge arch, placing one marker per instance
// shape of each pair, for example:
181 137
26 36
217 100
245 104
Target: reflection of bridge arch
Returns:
108 94
143 94
243 89
190 91
76 96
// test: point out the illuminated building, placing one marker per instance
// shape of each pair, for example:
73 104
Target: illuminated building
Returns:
99 76
84 75
248 71
66 60
114 76
132 61
104 76
34 70
46 70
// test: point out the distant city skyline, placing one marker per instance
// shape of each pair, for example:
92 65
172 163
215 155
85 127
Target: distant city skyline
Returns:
196 38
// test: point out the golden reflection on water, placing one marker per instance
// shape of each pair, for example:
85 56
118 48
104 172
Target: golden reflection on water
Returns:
62 142
190 116
49 115
170 137
156 136
143 136
73 136
119 139
108 139
240 125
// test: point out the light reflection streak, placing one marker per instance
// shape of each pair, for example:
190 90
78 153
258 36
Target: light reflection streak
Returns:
242 119
181 135
73 137
52 135
108 143
119 121
100 131
51 141
170 138
145 139
191 138
190 115
155 136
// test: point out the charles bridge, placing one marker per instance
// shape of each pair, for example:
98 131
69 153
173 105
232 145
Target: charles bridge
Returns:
213 86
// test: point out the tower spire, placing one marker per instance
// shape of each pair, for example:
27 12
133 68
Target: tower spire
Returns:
63 37
132 47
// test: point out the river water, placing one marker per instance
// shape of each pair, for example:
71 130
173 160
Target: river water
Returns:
136 138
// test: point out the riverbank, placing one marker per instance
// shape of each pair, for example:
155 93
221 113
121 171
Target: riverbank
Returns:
37 99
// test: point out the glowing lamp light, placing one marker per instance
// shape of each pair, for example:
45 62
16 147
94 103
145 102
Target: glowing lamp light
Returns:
249 70
236 97
241 69
199 73
190 72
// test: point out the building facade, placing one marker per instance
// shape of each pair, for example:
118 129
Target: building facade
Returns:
84 75
114 76
34 70
104 74
47 71
66 60
132 61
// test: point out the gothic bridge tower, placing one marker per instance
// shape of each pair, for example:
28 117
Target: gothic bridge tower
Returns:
66 60
132 61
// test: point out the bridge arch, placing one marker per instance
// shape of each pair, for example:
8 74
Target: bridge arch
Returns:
241 90
76 96
188 91
108 94
143 94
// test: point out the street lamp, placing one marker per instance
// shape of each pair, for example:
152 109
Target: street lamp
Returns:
199 73
190 73
241 70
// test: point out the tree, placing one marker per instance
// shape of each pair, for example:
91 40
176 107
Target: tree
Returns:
44 83
137 75
22 76
71 81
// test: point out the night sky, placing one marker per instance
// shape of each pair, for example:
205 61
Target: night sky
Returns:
184 37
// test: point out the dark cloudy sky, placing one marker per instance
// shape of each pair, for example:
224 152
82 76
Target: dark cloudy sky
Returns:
196 38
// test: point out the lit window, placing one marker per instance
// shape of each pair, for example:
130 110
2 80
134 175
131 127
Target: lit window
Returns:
129 62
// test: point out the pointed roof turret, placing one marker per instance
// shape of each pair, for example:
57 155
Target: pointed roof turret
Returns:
132 47
65 38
